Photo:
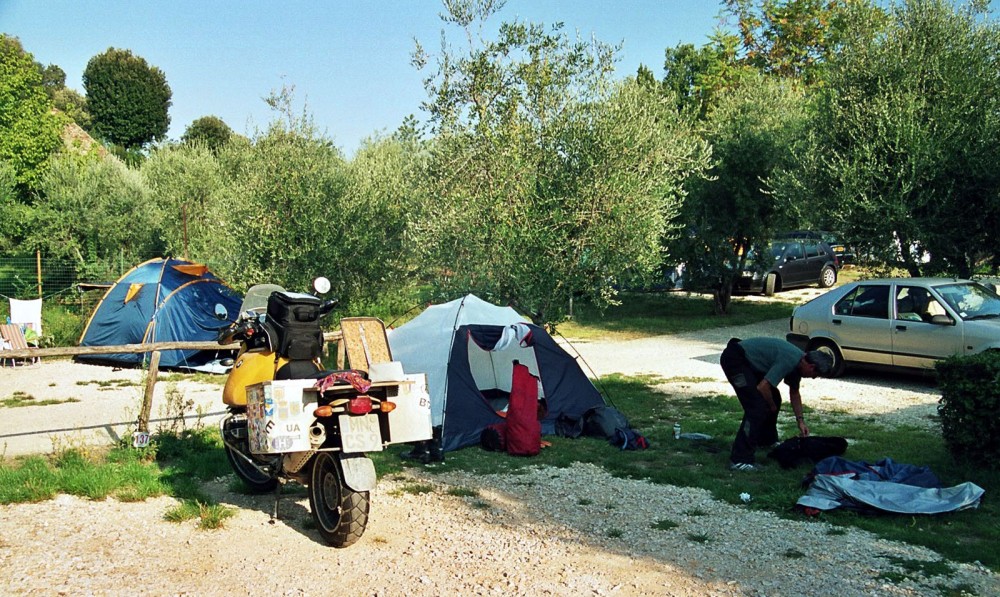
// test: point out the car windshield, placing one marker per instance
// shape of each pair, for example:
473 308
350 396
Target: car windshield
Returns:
970 301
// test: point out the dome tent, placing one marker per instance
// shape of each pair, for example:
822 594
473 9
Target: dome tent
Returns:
468 348
161 300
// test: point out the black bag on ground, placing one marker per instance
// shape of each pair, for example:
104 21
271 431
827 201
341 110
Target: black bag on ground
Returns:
293 324
602 421
609 422
792 452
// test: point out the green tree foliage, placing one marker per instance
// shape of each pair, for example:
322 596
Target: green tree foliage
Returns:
128 99
93 210
185 185
211 131
696 75
906 135
29 132
792 38
731 211
544 183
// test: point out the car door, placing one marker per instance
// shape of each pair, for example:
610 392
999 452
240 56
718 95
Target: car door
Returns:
861 325
792 264
915 341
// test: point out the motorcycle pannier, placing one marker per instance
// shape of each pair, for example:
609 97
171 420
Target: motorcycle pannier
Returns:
293 320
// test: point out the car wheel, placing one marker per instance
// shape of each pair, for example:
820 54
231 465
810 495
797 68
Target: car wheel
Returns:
827 277
770 284
839 365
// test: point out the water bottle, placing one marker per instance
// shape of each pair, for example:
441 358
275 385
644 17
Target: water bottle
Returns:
677 430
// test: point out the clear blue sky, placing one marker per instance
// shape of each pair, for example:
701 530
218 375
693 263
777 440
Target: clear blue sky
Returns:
349 60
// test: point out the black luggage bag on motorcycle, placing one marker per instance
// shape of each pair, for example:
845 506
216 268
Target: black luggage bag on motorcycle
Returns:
293 326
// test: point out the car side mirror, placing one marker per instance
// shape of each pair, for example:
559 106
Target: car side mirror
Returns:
942 320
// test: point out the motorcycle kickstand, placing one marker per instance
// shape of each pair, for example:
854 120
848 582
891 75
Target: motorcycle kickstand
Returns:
277 500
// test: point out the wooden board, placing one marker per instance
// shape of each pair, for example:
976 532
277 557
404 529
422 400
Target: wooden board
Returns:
364 341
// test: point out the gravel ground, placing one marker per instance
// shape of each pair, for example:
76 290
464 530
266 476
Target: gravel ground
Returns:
573 531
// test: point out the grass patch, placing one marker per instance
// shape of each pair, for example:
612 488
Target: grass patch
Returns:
210 516
19 398
615 533
198 377
664 525
110 383
463 492
417 488
656 313
122 473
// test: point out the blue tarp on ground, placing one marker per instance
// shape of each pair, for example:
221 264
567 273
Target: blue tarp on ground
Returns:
161 300
885 486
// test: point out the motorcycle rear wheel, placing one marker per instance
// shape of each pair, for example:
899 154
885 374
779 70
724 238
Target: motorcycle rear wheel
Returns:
255 480
341 514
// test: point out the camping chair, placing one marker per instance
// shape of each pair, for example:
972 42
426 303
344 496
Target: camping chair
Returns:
367 348
13 338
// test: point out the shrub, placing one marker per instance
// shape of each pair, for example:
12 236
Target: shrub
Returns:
970 407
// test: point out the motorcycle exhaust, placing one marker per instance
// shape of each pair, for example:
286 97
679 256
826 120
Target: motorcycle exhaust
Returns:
317 434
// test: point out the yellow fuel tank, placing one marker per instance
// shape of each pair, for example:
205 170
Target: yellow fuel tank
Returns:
250 368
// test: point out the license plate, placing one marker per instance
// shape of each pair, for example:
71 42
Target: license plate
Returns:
360 433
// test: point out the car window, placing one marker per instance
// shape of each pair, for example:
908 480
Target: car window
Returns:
865 301
914 303
794 251
812 250
971 301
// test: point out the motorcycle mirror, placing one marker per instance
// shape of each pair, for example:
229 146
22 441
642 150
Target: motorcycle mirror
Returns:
221 312
322 285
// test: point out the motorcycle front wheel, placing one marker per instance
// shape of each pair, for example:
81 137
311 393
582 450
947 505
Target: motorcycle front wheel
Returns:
234 431
341 514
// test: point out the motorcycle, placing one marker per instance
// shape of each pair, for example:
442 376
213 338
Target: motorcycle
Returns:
289 419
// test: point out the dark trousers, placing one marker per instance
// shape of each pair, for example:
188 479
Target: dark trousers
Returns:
759 427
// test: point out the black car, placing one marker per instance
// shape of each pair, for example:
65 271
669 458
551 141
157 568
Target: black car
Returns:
788 263
845 256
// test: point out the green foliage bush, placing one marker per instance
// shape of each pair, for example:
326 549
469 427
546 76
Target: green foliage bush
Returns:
970 407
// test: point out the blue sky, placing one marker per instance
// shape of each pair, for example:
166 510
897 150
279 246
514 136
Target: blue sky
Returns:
348 60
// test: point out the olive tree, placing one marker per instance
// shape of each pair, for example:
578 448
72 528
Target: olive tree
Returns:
905 137
751 128
94 210
185 186
544 181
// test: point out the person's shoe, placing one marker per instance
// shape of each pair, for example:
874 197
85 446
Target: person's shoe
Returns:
744 467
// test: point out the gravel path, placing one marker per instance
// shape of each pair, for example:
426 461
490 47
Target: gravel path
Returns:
573 531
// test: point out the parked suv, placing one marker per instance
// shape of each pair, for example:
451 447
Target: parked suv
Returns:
788 263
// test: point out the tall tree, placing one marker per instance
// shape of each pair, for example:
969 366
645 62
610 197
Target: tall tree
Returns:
906 135
792 38
29 132
545 181
128 99
732 210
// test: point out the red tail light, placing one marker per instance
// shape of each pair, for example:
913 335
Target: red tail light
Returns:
359 405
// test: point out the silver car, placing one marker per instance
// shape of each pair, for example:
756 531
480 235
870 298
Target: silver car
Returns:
902 322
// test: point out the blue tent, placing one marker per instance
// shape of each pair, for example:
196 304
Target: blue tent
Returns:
467 348
161 300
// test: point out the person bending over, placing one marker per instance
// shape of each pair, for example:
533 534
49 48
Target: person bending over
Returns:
755 367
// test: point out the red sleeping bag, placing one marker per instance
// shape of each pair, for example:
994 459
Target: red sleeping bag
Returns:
524 430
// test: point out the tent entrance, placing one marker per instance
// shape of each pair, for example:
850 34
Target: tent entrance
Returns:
492 354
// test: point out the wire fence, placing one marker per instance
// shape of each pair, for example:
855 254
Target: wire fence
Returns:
69 289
